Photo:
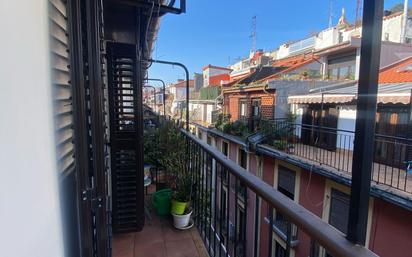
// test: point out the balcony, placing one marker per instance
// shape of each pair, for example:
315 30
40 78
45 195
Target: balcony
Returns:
333 149
229 206
330 148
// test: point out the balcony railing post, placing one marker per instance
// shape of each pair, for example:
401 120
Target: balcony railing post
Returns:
227 216
288 236
215 207
209 177
236 217
365 122
270 209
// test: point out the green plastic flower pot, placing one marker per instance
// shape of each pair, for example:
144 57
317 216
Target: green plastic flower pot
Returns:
178 207
161 201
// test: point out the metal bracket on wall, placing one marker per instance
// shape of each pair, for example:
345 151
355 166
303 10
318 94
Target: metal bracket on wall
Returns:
163 9
90 195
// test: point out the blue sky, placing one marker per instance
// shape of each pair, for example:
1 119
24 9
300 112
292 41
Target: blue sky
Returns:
218 31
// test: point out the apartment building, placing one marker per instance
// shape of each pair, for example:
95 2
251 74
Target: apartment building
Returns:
309 160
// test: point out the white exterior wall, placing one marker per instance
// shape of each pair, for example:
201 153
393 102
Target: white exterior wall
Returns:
297 109
283 51
326 38
346 121
357 64
209 109
330 36
236 66
30 218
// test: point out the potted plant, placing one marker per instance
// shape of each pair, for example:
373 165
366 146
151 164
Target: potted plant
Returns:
182 221
280 144
174 159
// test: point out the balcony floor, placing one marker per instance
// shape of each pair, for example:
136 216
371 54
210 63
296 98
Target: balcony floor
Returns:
159 239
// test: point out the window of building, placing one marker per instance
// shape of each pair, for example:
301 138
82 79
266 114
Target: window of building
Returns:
243 108
339 210
286 181
286 185
225 151
242 161
225 148
386 36
241 230
242 158
342 66
256 106
223 213
279 250
209 140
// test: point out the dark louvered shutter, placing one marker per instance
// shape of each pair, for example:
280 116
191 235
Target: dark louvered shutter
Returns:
127 182
286 181
339 210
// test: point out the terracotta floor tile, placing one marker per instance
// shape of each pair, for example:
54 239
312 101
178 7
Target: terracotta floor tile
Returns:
181 248
123 245
171 234
149 235
150 250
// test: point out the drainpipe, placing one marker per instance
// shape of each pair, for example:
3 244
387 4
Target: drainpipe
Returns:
187 83
164 93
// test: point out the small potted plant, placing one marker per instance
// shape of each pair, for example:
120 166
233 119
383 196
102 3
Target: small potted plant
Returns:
182 186
174 159
279 144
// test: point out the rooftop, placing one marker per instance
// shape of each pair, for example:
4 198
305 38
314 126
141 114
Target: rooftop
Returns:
398 72
209 66
182 83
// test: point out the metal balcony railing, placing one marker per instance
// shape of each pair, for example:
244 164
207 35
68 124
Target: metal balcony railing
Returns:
230 227
334 148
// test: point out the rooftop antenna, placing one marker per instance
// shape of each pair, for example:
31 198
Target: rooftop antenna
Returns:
404 21
357 18
330 13
253 35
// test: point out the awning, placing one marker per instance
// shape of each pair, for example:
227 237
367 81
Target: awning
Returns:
315 98
387 93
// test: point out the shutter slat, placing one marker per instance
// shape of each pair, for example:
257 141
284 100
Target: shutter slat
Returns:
60 77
